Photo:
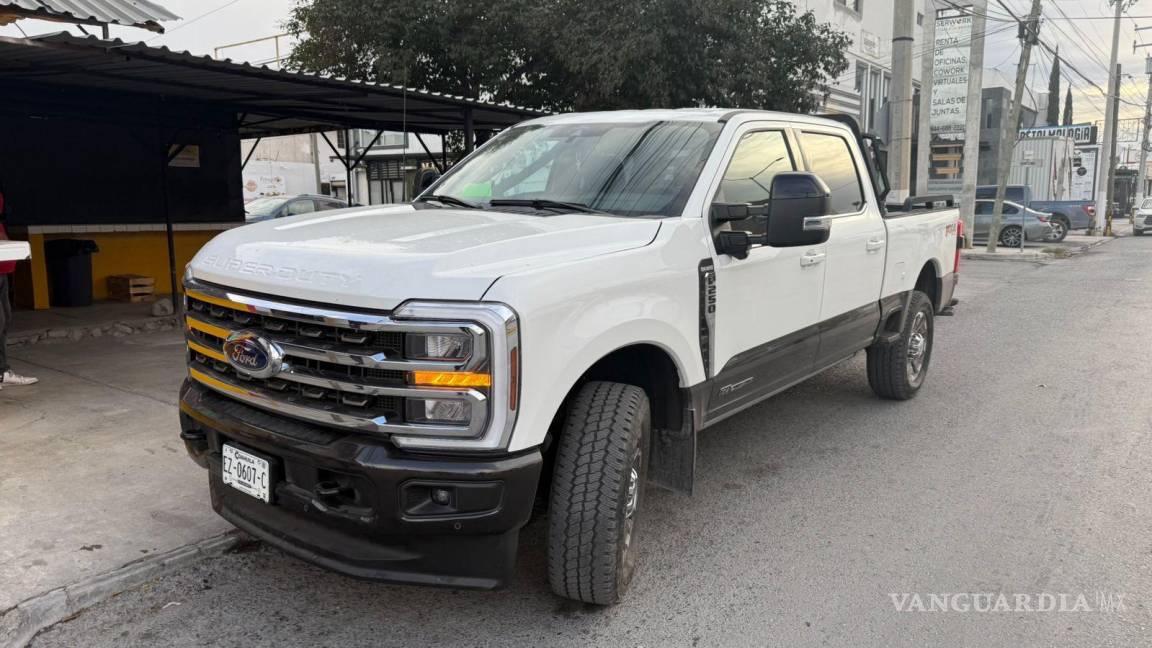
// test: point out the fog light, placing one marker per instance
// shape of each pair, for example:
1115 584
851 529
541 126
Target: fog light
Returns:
439 410
442 496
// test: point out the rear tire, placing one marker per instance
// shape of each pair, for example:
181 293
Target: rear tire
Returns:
896 370
1059 229
597 492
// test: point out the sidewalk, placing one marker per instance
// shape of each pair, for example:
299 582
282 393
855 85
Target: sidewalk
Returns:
93 474
1038 252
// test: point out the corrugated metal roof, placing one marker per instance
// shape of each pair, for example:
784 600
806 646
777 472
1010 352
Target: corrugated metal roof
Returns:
271 102
131 13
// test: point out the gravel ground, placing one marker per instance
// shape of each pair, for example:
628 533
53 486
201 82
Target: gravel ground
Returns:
1022 468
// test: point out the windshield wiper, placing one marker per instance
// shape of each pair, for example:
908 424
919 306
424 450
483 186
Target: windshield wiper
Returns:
544 203
448 200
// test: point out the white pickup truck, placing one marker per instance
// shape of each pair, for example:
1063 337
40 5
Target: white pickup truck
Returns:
387 391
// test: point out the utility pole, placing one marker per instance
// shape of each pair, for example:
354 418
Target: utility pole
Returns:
924 128
1114 158
900 102
1143 169
970 173
1107 151
1009 127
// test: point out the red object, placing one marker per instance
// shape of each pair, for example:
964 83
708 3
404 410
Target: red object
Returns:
1091 209
6 267
959 244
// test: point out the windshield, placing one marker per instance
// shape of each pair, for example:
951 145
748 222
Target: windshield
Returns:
264 206
626 169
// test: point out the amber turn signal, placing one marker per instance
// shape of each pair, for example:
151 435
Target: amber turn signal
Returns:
450 379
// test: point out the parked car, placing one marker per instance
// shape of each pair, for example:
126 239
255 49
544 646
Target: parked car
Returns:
1067 215
560 313
1037 226
1142 221
272 207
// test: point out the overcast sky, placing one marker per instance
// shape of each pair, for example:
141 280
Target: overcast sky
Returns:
1084 41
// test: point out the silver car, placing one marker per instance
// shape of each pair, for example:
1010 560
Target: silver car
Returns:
1142 221
1035 224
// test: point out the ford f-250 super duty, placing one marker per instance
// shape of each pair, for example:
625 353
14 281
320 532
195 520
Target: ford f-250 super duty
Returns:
386 391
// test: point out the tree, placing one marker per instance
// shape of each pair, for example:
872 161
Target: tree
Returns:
1068 108
579 54
1053 117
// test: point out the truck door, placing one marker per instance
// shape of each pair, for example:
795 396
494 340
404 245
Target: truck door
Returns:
768 304
856 247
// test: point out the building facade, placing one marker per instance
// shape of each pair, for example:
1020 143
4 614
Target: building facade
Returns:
862 90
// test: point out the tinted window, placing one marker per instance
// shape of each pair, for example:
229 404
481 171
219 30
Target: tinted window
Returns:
830 157
1015 194
983 208
1009 209
758 158
305 206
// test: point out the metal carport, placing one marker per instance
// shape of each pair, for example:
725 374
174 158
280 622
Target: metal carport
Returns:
155 102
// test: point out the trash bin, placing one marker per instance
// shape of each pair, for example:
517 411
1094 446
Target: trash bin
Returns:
69 264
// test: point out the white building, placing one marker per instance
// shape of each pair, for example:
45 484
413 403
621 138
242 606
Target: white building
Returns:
862 90
296 164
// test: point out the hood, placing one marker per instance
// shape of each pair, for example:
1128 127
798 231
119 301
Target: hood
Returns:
377 257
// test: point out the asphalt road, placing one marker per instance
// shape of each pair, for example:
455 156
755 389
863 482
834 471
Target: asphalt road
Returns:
1022 468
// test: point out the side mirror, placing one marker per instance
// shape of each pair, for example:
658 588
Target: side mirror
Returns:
732 212
798 210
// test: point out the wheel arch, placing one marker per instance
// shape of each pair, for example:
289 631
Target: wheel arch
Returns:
652 367
930 281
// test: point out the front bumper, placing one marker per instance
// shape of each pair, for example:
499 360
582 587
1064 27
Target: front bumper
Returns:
355 504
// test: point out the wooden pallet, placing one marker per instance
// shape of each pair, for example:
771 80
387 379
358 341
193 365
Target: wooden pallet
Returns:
131 288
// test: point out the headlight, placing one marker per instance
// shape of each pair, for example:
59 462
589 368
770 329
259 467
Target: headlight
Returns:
466 375
438 346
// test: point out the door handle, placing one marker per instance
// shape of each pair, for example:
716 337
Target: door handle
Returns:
874 244
811 258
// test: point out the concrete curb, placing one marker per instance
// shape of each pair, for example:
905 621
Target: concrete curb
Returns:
19 624
1035 255
118 328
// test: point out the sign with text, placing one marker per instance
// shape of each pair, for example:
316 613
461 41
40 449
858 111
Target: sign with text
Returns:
952 48
1083 185
949 98
1081 134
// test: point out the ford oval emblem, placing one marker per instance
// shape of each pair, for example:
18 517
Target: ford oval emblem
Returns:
251 354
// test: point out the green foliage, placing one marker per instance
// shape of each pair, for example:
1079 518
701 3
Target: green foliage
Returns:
1068 108
1053 115
579 54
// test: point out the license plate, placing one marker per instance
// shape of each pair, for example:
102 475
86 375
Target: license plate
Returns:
246 472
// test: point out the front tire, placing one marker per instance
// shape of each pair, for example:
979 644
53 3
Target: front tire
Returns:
597 492
1137 232
896 369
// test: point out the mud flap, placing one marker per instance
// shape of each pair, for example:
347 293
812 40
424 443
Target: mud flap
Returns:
672 465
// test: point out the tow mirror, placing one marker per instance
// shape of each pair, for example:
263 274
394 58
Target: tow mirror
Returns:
733 212
798 211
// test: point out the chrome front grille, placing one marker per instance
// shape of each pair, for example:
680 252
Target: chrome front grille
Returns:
344 369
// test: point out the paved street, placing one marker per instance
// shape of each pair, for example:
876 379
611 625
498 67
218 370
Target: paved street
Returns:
1022 467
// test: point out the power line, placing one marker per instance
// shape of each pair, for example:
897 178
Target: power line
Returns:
192 20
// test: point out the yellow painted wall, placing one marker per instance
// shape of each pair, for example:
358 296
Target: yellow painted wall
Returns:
142 253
